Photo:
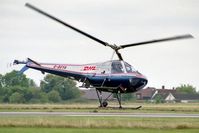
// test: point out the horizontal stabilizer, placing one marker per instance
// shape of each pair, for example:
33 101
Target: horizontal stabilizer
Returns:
16 62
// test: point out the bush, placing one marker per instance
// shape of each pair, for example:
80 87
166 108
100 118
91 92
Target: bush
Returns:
16 98
54 96
159 99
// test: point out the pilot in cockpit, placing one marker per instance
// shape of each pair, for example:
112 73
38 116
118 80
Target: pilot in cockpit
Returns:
117 67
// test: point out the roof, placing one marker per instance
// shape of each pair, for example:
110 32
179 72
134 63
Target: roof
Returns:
147 92
166 91
163 96
186 96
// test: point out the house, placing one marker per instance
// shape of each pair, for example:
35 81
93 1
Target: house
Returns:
150 92
165 94
170 98
178 97
163 97
145 94
185 98
164 91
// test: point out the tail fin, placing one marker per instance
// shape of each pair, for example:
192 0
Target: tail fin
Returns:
23 69
32 61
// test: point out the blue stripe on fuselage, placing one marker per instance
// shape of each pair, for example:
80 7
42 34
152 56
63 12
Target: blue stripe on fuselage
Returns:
110 81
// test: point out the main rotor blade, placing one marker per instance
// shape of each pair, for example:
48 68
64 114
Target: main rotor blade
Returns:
158 40
65 24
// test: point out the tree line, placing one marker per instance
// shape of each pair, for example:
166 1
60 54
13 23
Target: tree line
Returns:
17 88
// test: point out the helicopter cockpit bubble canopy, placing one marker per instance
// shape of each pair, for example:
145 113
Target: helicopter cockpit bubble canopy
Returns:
129 68
116 66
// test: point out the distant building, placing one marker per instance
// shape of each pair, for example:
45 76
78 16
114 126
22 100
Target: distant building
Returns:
149 94
167 95
92 95
145 94
177 97
185 98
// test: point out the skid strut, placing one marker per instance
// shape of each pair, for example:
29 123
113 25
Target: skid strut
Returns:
99 95
119 98
103 102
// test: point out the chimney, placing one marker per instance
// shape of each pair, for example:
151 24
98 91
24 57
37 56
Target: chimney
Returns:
163 87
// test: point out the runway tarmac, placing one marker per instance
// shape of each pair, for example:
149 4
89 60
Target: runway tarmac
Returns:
144 115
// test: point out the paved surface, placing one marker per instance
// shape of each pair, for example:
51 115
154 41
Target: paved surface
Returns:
144 115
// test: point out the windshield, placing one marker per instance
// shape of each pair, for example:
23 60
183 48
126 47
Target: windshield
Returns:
129 68
116 67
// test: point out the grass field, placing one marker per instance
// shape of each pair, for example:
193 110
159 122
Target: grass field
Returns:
92 107
98 122
87 130
72 124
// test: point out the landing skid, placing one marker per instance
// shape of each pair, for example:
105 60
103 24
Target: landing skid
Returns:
123 108
103 102
138 107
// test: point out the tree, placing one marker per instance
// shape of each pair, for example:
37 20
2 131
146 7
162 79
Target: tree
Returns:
43 97
49 82
186 89
159 99
65 87
16 88
1 89
54 96
9 91
4 94
37 96
13 78
1 81
16 98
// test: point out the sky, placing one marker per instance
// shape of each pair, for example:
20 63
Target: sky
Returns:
25 33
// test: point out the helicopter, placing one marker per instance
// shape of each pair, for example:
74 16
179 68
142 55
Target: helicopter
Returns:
113 76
